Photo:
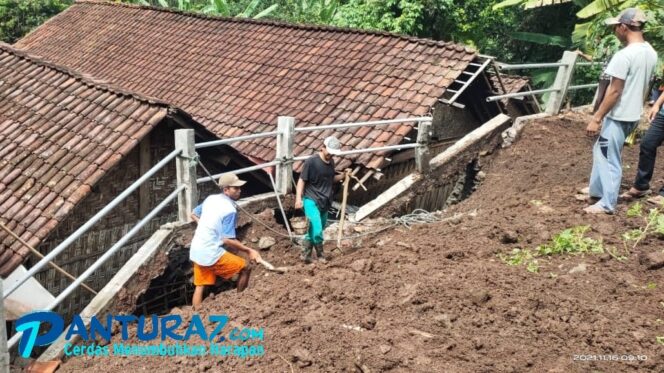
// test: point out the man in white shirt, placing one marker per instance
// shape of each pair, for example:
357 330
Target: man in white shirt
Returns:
216 232
630 69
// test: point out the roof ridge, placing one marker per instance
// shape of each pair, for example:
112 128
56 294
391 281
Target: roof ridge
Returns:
84 78
310 27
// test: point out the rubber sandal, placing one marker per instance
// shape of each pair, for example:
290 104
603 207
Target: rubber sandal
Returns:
656 200
586 198
629 195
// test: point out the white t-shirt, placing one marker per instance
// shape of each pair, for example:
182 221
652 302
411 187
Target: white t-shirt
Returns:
635 65
217 222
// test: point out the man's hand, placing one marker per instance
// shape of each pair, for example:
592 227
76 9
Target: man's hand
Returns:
653 112
254 256
298 204
593 127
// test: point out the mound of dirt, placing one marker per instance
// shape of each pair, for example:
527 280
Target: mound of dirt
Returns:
437 298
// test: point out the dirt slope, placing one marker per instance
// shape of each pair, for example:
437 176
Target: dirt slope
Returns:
437 299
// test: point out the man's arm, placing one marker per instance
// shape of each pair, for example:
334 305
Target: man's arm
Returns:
613 93
342 176
655 108
235 244
585 56
299 191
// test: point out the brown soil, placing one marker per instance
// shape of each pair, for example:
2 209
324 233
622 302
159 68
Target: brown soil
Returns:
437 299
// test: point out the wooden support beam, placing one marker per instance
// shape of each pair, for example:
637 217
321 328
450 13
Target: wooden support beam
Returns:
144 164
363 179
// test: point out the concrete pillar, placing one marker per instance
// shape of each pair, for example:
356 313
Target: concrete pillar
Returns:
422 154
284 153
186 173
563 80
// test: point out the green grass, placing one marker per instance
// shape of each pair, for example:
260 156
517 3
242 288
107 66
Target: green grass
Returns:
571 241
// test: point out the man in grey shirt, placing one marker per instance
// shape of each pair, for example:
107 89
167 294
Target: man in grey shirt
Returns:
630 69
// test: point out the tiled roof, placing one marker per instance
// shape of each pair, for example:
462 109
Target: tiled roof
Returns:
512 83
59 134
236 76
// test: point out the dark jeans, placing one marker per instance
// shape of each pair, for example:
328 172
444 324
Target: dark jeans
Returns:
653 139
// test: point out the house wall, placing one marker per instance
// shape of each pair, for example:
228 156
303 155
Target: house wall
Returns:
81 254
452 122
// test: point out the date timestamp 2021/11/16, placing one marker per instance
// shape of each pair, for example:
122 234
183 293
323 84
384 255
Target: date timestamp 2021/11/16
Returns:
609 357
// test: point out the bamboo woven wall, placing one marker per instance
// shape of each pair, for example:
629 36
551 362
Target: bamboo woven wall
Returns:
87 249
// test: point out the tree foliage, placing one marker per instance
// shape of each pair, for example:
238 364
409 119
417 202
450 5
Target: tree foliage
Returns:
589 30
511 30
242 9
18 17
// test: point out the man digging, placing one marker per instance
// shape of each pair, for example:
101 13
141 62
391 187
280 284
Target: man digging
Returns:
214 234
314 194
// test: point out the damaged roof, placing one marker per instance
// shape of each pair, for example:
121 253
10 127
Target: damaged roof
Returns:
60 132
511 83
236 76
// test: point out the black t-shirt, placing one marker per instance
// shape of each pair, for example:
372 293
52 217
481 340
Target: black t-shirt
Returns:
318 178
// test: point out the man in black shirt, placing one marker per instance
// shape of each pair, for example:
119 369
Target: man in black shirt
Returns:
314 194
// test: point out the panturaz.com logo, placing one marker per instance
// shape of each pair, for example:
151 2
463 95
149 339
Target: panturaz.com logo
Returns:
162 328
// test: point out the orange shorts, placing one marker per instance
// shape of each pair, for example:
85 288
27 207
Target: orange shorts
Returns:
226 267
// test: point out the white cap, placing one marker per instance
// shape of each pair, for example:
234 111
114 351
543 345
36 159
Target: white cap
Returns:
332 145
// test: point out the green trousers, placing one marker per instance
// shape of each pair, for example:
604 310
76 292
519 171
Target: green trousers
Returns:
317 220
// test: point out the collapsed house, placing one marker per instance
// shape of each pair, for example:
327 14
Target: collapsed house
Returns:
236 76
515 106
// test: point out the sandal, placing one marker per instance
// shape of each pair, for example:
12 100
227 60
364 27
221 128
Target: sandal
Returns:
594 209
656 200
634 193
586 198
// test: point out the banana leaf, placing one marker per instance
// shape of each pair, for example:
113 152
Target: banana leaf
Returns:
580 32
249 9
531 4
597 7
561 41
507 3
266 12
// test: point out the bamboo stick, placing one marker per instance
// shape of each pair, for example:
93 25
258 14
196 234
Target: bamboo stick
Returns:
40 256
343 210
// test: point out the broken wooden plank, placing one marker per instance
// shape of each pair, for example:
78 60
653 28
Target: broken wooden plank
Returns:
441 159
388 195
470 139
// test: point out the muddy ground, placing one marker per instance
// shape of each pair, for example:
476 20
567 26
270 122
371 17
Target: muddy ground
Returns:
436 298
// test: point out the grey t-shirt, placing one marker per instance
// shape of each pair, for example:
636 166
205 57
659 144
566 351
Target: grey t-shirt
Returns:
635 65
318 178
